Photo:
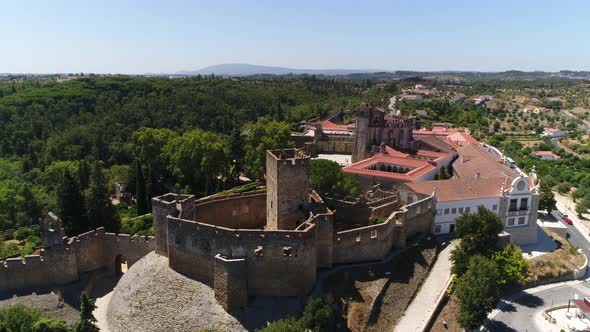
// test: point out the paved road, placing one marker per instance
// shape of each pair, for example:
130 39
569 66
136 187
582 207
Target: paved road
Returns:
520 313
422 306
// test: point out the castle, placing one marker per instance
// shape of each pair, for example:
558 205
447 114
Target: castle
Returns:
262 243
271 243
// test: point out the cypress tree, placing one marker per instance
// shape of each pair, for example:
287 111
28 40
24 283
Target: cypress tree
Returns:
71 205
87 322
140 192
101 211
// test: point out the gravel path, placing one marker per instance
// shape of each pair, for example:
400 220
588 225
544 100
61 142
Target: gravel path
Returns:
153 297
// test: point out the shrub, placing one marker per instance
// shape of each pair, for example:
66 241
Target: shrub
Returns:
376 220
512 267
20 318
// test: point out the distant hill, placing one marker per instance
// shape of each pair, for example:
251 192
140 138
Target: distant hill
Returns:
244 69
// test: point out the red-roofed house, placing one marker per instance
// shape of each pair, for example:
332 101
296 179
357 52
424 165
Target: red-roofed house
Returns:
545 155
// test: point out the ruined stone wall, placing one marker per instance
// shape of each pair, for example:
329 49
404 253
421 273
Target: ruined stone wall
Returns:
279 263
349 214
35 271
245 210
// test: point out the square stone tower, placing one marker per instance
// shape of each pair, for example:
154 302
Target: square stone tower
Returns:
287 188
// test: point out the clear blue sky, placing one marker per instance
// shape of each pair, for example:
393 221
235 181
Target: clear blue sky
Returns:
166 36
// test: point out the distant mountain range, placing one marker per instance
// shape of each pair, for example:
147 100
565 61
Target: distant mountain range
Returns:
244 69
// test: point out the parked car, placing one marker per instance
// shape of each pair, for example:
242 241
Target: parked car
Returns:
568 221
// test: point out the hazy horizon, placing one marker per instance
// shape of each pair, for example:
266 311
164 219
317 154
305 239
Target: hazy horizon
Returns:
138 37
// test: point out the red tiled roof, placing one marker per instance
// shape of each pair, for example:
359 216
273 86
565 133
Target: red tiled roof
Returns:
458 189
419 167
546 153
474 158
331 126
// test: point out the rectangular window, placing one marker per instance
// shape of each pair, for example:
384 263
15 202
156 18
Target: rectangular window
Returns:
467 209
521 220
439 211
446 211
454 210
524 203
495 207
510 221
437 229
513 203
461 210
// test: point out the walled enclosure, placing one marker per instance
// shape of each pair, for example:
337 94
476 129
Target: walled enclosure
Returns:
284 262
63 259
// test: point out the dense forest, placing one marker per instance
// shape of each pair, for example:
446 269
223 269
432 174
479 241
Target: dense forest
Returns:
64 145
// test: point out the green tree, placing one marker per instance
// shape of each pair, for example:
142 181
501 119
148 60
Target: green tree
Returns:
479 231
317 316
72 210
326 176
148 145
87 322
199 159
101 211
262 137
512 267
140 192
477 291
547 199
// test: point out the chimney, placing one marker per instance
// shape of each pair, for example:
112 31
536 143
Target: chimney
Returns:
476 175
382 148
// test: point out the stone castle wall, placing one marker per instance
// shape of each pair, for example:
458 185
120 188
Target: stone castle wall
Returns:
234 211
374 242
277 262
37 270
83 253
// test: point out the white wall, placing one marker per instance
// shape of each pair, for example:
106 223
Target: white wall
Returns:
445 220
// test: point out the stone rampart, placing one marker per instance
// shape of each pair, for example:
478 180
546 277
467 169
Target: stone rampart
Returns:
279 263
37 270
83 253
246 211
369 243
419 216
375 241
